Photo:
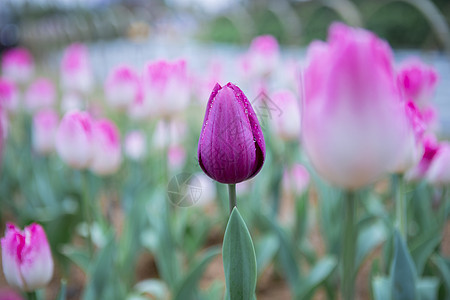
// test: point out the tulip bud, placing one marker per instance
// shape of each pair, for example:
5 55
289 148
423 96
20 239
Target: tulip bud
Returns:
122 87
76 73
9 95
41 93
74 139
286 123
18 65
439 170
430 147
412 147
107 154
353 119
418 81
231 148
26 257
45 124
263 55
135 145
166 87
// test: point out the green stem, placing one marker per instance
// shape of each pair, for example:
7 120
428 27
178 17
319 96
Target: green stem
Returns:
232 196
400 205
349 247
31 295
87 213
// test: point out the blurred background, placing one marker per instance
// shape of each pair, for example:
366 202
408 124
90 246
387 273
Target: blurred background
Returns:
136 31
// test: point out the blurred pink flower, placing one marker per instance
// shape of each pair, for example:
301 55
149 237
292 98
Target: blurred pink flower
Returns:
9 294
263 56
45 125
166 87
286 122
353 119
438 172
296 179
41 93
167 134
107 153
26 257
71 101
122 87
76 72
430 147
9 95
418 81
74 139
18 65
135 145
412 146
176 157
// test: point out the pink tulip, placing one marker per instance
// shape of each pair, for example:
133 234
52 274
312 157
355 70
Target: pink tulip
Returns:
166 134
18 65
74 139
26 257
263 56
71 101
286 121
176 157
430 147
9 95
231 148
76 73
166 87
41 93
296 179
412 146
107 154
418 81
353 117
135 145
438 172
122 87
9 294
45 125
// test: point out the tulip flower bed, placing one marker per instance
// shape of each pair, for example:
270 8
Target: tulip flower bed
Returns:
325 176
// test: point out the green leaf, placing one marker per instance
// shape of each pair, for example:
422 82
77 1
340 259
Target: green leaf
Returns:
424 246
368 239
62 290
403 273
381 287
266 248
443 268
239 259
187 289
321 271
79 256
286 254
428 288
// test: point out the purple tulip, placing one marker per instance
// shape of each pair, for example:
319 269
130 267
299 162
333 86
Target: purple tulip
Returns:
231 148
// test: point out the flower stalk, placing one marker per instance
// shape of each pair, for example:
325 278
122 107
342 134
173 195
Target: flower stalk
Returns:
348 251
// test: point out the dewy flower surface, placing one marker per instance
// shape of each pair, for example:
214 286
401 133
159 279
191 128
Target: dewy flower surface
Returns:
231 147
26 257
354 120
